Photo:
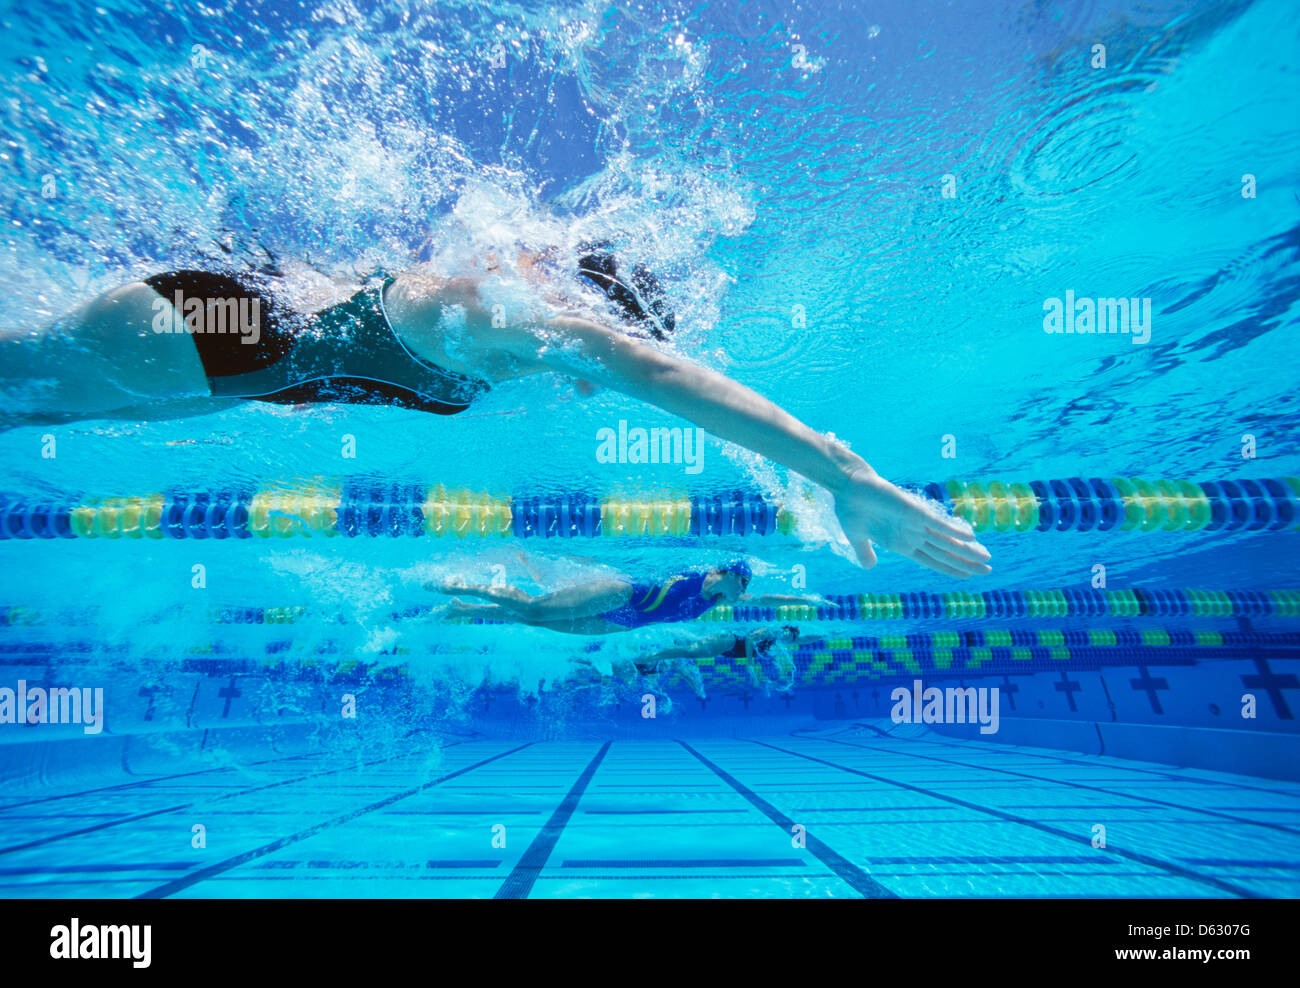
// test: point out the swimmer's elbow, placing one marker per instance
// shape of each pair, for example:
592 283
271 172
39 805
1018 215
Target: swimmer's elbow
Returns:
657 374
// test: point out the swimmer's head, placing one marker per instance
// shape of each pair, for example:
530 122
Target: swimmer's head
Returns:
789 634
734 579
636 293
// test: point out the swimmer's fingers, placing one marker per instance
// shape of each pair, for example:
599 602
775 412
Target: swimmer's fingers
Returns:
965 546
924 557
957 527
968 566
866 555
958 554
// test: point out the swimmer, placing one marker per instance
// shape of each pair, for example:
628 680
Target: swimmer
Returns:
615 605
764 668
753 648
192 342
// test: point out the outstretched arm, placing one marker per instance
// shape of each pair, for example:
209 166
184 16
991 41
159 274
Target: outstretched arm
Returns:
784 600
868 506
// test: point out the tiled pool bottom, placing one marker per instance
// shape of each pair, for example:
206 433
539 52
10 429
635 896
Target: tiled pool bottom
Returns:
880 817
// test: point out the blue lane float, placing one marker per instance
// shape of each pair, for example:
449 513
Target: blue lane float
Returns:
362 508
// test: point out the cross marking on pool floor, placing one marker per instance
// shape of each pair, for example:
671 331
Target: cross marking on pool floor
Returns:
1010 689
1149 684
1069 687
1273 683
229 692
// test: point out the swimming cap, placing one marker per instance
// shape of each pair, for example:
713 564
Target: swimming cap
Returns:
740 568
639 297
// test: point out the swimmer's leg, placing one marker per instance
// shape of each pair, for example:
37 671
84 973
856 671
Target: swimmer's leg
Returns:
526 563
104 358
572 603
152 412
582 626
570 626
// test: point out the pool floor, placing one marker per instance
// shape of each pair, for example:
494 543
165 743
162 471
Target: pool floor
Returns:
844 812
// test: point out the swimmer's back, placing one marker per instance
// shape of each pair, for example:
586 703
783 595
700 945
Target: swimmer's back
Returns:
679 598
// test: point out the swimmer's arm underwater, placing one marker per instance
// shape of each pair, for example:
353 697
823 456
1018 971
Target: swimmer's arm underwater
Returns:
784 600
868 506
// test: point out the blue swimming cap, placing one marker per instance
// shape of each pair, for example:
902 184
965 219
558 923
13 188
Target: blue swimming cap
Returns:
740 568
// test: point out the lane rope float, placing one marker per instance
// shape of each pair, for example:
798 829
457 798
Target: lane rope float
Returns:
362 508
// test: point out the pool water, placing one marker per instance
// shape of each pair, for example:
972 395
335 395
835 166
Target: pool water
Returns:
862 215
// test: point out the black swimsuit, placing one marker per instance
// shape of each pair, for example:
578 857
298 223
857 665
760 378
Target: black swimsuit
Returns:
346 353
761 648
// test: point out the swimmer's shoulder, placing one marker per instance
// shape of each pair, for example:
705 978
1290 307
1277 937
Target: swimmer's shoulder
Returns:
416 299
443 320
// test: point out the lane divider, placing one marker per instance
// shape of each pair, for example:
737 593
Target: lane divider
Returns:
361 508
1067 602
1045 603
928 641
825 661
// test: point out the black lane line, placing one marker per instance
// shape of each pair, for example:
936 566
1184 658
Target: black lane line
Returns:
203 874
14 848
93 828
846 870
684 863
145 782
1150 862
1161 773
1075 785
519 883
655 812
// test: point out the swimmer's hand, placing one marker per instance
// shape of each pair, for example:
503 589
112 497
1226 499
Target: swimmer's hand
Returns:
871 509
